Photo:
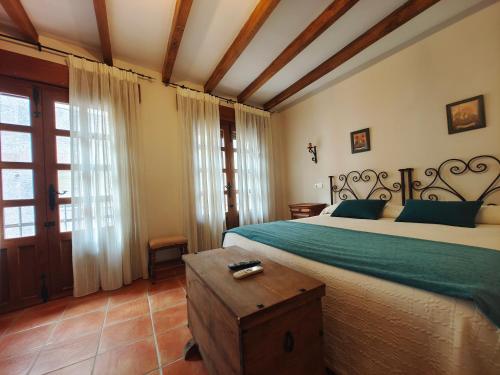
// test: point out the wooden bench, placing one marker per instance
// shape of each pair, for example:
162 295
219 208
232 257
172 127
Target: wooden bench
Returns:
169 267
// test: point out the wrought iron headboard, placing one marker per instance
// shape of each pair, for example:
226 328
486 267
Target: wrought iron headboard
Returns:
440 185
379 187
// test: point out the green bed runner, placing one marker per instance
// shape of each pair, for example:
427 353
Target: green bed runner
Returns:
466 272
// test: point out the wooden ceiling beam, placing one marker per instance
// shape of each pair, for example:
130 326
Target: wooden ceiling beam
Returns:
181 13
399 17
102 25
259 15
18 15
326 19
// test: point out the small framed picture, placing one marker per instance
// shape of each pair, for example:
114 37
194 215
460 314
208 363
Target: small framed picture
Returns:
360 141
467 114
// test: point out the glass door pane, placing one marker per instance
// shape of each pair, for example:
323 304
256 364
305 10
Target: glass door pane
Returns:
63 150
62 115
14 109
19 222
17 184
16 146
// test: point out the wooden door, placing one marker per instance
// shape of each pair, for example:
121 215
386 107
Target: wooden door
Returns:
230 172
28 257
58 189
23 250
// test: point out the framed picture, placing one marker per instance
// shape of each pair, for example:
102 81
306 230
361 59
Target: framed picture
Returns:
360 141
466 115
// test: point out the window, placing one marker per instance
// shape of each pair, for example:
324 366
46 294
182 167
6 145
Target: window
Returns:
230 172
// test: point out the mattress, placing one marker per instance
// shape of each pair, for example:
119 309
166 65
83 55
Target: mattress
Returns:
375 326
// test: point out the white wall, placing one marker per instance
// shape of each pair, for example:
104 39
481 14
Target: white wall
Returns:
402 100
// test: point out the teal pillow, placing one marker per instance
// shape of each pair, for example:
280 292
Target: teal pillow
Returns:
360 209
459 214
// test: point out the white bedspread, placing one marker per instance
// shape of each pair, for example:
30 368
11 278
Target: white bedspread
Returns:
374 326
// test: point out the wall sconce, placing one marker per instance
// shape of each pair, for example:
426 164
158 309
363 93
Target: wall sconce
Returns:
312 150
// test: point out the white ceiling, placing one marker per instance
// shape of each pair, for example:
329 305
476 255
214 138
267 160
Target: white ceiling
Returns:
139 32
211 28
71 20
288 19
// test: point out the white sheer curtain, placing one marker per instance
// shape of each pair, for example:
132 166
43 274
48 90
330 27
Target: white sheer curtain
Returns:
255 165
109 240
203 191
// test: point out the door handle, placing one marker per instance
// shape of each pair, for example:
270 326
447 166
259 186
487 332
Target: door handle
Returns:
229 187
288 342
53 193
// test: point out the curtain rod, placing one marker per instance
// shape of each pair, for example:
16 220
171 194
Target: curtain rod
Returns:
216 96
41 48
56 51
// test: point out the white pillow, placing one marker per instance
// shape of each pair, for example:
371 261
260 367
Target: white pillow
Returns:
488 215
392 211
328 210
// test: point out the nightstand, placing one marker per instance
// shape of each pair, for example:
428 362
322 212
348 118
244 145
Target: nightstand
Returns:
300 210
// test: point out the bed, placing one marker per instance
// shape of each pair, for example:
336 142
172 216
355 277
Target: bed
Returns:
376 326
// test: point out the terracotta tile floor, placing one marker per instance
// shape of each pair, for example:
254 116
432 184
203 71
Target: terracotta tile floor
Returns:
138 329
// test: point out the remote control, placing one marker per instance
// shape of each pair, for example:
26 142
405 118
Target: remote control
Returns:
247 272
243 265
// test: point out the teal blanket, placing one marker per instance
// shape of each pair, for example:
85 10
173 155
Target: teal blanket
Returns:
466 272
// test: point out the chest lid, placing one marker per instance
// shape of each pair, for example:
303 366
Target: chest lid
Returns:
276 289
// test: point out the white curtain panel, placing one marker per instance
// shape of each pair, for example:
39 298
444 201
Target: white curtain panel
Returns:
202 180
109 235
256 199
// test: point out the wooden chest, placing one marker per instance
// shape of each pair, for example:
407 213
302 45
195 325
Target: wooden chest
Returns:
300 210
269 323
